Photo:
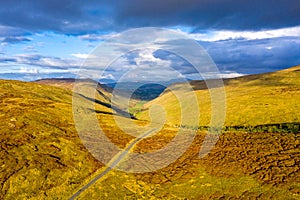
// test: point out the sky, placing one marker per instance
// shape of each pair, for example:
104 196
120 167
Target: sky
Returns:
52 39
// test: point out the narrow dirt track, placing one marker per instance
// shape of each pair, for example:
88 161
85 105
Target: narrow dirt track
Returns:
113 163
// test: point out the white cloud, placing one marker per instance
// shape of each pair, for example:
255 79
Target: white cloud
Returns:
46 61
52 62
27 70
80 55
146 60
107 76
230 75
139 65
29 48
223 74
249 35
96 37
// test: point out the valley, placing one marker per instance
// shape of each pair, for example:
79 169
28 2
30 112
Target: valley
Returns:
256 156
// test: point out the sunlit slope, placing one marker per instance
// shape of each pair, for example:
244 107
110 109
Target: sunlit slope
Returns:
66 83
41 154
91 90
102 93
270 98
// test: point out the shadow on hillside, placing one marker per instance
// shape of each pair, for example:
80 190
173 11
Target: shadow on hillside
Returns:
115 108
100 112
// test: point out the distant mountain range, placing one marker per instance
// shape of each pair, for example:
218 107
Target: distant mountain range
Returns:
139 90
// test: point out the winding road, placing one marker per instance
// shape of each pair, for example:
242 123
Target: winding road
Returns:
114 162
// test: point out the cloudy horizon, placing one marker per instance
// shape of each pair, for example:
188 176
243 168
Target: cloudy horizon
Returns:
51 39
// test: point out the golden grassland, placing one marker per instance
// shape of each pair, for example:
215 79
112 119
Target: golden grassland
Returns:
241 169
41 153
42 156
271 98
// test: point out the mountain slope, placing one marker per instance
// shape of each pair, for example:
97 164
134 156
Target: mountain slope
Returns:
41 152
252 100
42 156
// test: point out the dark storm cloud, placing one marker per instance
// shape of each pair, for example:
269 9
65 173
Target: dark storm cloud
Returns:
95 20
215 14
83 17
244 56
255 56
64 16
